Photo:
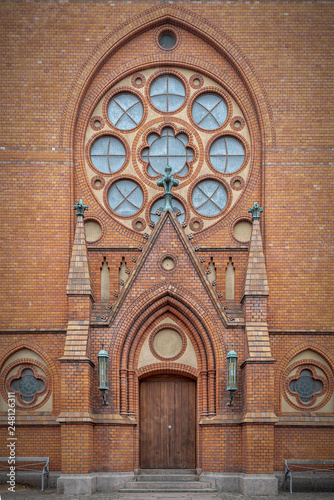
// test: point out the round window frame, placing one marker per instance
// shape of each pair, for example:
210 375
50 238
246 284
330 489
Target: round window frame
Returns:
159 74
106 193
213 139
307 364
168 28
217 179
171 326
99 135
210 90
22 364
99 221
124 90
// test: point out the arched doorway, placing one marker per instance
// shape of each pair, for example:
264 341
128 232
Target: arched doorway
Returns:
167 422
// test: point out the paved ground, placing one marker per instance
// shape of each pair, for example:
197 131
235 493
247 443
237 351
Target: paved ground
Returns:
28 493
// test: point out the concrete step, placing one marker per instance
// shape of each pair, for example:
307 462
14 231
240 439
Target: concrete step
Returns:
166 486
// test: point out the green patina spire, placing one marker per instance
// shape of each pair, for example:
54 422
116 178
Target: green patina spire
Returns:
167 182
80 208
256 210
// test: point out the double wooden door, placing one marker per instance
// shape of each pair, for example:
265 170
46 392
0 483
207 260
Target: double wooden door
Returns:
167 423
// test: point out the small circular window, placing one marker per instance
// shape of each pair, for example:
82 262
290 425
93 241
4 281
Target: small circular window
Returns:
108 154
209 197
167 93
159 206
209 111
125 197
227 154
125 111
167 40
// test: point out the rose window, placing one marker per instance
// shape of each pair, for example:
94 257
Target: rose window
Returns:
167 149
135 130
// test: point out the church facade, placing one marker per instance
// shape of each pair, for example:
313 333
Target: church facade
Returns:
168 239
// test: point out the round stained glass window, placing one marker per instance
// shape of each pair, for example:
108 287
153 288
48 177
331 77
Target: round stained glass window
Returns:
159 205
108 154
125 197
167 150
306 386
227 154
167 93
209 197
209 111
167 41
27 385
125 111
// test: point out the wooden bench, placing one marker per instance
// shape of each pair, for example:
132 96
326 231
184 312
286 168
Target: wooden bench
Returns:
29 464
299 467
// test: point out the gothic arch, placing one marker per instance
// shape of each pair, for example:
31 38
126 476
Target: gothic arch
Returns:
200 329
290 355
47 359
156 16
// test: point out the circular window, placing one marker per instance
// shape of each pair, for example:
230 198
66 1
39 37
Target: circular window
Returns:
227 154
125 197
167 93
167 150
209 111
125 111
167 41
158 206
108 154
209 197
305 386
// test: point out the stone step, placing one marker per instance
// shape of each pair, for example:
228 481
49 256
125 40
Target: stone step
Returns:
167 471
167 477
166 486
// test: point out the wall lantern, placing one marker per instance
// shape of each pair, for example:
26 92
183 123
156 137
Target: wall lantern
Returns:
103 374
231 374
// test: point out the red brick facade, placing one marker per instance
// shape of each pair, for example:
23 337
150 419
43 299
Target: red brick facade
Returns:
62 65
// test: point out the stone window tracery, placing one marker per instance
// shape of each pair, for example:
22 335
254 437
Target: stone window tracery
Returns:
307 385
161 117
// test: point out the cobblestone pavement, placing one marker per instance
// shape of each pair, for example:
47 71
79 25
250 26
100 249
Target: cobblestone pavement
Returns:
29 493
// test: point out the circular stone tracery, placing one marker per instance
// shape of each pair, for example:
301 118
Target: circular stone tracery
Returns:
146 141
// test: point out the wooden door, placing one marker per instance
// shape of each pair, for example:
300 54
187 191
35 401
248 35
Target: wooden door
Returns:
167 423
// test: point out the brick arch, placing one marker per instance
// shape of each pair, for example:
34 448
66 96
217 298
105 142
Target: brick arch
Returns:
151 307
149 19
281 367
49 362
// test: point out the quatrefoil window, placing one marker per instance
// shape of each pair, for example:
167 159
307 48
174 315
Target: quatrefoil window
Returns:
28 385
167 149
306 386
